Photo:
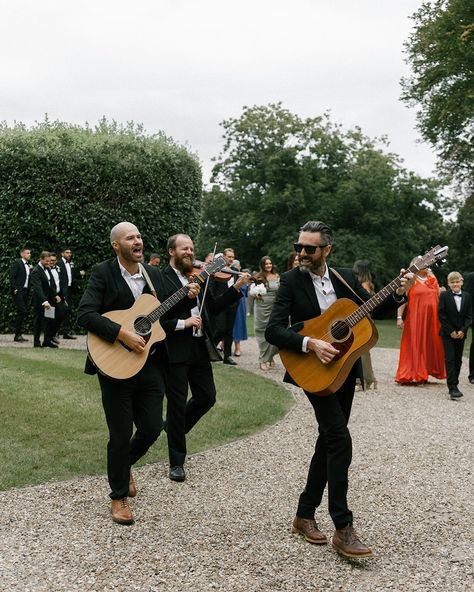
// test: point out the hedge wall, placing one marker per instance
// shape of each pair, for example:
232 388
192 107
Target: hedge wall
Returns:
67 185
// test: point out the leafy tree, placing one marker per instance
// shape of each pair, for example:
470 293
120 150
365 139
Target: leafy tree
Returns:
277 171
67 185
440 52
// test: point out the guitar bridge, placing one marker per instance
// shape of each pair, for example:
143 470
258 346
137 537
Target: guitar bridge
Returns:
343 346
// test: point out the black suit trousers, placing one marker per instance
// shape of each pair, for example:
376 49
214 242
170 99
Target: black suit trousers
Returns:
224 328
471 355
39 321
21 304
181 414
137 400
332 455
453 349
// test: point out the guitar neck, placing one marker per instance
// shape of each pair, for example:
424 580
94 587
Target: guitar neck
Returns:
366 308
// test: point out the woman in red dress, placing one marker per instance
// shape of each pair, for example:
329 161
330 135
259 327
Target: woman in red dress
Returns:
421 348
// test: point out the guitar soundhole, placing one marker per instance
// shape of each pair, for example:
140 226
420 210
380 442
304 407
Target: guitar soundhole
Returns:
142 326
340 330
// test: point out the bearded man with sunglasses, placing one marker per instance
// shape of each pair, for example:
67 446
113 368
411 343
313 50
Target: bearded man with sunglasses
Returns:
305 293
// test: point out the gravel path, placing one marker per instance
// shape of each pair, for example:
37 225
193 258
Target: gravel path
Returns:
227 527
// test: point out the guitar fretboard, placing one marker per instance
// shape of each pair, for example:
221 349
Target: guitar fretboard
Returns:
366 308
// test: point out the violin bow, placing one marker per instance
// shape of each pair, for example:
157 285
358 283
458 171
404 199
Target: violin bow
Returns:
205 288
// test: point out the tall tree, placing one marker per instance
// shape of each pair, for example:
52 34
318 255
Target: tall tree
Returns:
277 171
440 52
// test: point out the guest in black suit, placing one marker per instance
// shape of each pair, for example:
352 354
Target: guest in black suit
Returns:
189 365
306 292
115 285
20 284
69 277
44 299
455 316
224 321
469 288
60 285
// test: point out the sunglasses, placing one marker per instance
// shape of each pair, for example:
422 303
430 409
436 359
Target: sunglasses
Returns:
309 249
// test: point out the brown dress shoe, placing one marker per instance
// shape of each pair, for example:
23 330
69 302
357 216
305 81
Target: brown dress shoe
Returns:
121 512
132 486
347 543
309 529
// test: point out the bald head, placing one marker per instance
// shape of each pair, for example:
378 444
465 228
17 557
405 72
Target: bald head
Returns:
121 229
127 243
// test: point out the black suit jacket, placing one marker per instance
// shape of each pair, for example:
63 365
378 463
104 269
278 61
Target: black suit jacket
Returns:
42 286
18 275
469 287
63 279
107 290
296 301
179 343
449 317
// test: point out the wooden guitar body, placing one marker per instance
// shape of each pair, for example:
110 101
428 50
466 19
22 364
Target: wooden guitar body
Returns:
116 360
308 371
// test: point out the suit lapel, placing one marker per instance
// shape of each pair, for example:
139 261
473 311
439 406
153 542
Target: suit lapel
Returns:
307 285
121 285
170 274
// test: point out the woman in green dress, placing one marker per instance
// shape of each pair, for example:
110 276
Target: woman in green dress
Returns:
264 294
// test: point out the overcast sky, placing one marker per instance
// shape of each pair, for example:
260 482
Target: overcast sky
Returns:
183 66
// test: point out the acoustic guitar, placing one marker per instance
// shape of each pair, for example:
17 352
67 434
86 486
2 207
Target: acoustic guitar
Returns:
348 328
117 360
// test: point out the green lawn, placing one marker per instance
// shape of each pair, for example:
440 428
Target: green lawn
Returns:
53 426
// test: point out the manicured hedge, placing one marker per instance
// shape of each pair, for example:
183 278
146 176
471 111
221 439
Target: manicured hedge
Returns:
67 185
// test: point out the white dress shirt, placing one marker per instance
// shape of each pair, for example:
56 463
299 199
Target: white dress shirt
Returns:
135 282
27 271
325 294
181 323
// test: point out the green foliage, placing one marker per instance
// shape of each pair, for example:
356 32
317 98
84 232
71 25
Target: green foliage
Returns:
66 185
440 52
462 239
55 429
277 171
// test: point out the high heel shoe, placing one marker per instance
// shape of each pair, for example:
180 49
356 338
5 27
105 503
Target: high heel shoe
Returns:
372 384
263 366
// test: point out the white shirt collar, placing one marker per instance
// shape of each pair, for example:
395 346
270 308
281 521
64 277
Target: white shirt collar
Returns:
126 273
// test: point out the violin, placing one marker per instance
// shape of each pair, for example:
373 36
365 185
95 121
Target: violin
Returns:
224 274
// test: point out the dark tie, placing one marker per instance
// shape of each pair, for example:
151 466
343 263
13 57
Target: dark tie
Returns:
458 295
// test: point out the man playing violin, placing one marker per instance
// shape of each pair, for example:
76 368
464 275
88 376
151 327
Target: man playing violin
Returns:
189 338
306 292
115 285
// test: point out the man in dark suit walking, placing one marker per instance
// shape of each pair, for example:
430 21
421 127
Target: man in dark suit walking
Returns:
306 292
455 316
224 321
69 276
469 288
115 285
187 331
20 284
44 299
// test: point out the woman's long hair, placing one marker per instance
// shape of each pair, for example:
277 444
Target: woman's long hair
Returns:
362 272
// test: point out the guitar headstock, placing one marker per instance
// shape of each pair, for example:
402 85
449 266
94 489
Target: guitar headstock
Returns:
434 255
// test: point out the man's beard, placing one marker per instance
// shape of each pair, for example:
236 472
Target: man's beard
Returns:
306 266
184 263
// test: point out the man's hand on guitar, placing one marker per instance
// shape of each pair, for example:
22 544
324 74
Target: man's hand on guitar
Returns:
135 342
324 350
407 280
193 290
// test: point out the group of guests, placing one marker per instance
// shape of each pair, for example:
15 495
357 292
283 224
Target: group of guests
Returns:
435 323
50 284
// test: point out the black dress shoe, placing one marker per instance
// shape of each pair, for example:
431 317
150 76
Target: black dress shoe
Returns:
55 340
37 344
471 380
455 394
230 361
177 473
49 344
19 339
69 337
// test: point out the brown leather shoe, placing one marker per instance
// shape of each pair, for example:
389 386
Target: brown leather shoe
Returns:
309 529
347 543
132 486
121 512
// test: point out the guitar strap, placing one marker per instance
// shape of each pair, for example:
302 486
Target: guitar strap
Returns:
148 280
340 278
